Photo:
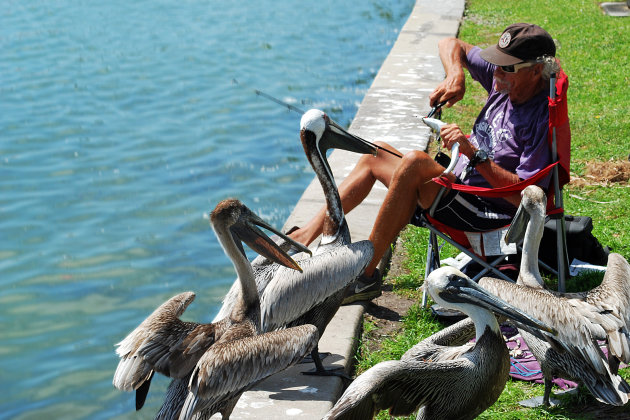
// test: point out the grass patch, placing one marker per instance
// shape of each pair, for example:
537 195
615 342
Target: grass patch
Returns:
593 50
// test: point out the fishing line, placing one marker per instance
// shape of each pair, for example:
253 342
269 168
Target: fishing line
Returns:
294 108
271 98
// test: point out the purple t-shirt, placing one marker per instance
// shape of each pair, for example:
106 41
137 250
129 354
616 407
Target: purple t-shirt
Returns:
515 136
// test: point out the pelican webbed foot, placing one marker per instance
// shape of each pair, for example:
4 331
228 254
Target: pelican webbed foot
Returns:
338 371
547 400
309 358
317 357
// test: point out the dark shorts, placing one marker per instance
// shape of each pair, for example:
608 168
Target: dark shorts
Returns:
468 212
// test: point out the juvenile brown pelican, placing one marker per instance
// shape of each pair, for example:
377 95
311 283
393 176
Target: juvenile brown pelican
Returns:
446 382
313 297
584 318
215 363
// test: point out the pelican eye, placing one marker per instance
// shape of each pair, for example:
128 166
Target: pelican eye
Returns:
451 289
456 280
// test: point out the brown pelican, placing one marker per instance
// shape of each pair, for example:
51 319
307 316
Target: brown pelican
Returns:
313 297
447 382
584 318
214 363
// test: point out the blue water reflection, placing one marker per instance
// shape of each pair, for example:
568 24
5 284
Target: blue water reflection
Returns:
121 129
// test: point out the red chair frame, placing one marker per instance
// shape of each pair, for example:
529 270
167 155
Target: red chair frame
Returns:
559 139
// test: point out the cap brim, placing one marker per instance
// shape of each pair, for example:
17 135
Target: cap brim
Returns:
495 56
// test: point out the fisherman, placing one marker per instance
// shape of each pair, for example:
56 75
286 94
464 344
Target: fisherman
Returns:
508 143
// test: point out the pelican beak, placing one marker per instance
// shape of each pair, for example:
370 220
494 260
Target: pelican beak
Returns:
516 231
248 231
338 138
461 289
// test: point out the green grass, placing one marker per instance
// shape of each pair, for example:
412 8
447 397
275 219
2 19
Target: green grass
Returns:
593 50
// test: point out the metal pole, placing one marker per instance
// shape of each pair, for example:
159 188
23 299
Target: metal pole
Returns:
471 254
433 262
561 246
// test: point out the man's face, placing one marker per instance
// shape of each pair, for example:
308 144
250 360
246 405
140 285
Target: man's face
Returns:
521 85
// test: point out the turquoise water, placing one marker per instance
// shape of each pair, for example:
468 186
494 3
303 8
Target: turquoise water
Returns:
121 129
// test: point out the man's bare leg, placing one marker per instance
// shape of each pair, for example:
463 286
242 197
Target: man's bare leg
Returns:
410 186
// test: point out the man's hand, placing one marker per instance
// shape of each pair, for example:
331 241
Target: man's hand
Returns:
451 90
450 134
453 53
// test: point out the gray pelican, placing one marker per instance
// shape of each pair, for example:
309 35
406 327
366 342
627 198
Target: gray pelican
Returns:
598 314
213 364
289 298
445 381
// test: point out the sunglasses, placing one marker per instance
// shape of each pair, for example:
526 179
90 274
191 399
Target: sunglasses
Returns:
516 67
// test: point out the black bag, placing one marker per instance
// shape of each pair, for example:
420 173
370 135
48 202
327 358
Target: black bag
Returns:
581 243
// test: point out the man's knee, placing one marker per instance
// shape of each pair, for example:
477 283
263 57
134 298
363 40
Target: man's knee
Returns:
416 158
420 167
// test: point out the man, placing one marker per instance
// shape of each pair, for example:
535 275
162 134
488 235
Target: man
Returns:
508 143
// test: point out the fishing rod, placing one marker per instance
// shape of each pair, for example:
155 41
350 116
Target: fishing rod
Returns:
294 108
278 101
432 120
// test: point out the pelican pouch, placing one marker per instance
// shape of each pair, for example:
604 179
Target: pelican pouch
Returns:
581 243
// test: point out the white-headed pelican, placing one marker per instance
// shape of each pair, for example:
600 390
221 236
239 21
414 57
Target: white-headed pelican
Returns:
289 298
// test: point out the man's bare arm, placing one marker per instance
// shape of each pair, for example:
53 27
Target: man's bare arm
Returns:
453 53
493 173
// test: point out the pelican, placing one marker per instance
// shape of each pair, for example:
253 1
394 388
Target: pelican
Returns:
598 314
445 381
289 298
213 364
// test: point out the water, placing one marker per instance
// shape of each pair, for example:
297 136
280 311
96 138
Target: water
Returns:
120 130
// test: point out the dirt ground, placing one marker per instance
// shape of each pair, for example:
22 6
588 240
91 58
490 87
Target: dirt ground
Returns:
387 310
603 173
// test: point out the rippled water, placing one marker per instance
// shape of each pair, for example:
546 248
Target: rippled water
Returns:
120 129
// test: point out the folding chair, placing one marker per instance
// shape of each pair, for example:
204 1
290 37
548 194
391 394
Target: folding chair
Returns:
559 139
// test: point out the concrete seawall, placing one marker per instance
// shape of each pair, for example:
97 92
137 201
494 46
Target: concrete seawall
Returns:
389 112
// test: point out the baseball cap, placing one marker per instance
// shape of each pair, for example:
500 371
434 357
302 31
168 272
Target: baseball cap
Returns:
520 42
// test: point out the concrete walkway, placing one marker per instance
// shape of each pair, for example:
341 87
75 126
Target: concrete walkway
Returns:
389 112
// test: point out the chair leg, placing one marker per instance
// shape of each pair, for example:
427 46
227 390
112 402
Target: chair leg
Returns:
433 262
563 257
489 270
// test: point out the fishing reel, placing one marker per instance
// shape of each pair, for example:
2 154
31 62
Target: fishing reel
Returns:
435 124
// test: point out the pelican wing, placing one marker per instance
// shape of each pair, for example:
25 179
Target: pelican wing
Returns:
264 272
614 292
291 294
454 335
174 398
228 368
162 343
614 295
578 323
402 386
